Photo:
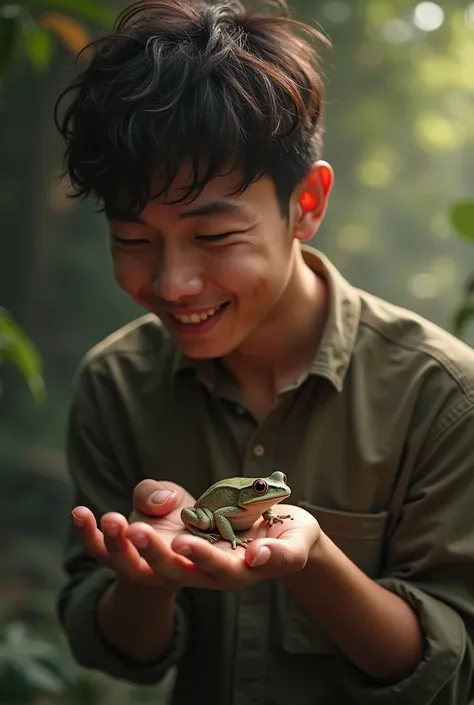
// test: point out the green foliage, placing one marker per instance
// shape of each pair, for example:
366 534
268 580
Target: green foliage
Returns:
31 666
19 26
462 219
38 44
16 347
90 10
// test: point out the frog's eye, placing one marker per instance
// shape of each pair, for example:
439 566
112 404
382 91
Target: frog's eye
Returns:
259 486
285 479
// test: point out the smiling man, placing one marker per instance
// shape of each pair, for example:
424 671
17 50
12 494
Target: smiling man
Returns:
199 131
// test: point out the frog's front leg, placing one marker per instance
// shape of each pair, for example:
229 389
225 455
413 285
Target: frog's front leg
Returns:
225 527
270 517
197 520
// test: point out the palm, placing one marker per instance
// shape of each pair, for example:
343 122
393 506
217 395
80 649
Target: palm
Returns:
218 565
169 525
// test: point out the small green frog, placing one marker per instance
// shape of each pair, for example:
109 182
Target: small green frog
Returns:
236 504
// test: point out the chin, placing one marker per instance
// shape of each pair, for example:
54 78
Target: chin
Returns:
205 352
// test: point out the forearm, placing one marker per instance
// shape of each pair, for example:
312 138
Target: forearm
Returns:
138 621
376 629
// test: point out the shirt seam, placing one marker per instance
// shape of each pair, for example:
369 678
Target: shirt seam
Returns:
454 416
444 361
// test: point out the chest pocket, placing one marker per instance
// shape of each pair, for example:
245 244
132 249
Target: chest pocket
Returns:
360 537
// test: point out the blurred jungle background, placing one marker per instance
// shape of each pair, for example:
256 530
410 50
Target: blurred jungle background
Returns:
400 135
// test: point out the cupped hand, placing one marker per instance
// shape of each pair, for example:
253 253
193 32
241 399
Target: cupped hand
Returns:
153 547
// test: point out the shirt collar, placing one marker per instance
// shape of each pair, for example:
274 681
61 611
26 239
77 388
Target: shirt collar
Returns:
334 353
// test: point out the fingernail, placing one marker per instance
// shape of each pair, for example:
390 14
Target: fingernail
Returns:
140 540
77 520
160 496
184 550
262 556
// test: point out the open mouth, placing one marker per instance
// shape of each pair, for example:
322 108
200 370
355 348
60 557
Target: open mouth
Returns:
196 319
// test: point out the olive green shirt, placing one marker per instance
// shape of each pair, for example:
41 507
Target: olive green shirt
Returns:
377 441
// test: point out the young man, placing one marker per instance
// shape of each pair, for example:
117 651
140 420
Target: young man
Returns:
198 129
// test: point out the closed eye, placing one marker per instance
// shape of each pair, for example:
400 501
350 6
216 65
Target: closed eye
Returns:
128 242
214 238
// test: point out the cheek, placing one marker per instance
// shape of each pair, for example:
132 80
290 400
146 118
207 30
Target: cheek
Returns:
250 271
130 273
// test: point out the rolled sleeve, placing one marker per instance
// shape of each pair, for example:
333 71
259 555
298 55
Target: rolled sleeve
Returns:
101 480
78 615
445 647
430 565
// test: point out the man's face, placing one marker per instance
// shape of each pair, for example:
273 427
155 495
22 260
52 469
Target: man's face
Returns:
212 270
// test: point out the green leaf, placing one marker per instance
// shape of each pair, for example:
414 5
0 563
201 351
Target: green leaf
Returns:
462 317
470 286
33 665
87 9
16 347
41 678
38 44
9 30
462 219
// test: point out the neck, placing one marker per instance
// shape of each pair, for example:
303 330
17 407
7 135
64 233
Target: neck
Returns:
285 344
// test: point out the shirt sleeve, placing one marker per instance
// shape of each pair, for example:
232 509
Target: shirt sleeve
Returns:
430 564
100 484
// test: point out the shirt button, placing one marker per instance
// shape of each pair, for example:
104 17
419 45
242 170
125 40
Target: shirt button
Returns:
259 450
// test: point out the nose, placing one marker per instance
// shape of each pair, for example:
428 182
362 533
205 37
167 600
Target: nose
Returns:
177 275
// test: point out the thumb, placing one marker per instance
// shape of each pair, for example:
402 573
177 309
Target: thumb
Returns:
157 497
277 555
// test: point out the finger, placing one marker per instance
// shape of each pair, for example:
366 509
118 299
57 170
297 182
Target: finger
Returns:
90 537
123 556
221 565
156 498
277 556
161 559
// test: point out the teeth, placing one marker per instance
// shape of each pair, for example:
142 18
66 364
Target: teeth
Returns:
196 317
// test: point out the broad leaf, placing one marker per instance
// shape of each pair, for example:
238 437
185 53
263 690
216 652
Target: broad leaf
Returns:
68 30
470 286
462 219
38 44
463 316
31 665
87 9
16 347
40 677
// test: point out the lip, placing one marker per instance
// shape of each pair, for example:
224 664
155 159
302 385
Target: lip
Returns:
194 329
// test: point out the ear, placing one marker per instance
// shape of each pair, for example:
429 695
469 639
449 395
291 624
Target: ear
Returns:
311 199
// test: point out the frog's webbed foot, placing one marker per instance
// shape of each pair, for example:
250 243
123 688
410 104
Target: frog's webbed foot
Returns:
279 518
213 538
240 542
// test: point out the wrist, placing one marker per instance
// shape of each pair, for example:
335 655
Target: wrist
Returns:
142 596
136 620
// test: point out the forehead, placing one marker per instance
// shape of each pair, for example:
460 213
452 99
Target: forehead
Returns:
220 198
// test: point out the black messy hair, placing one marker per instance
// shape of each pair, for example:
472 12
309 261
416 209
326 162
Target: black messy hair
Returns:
218 86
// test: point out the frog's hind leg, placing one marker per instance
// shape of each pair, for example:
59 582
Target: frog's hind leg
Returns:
198 520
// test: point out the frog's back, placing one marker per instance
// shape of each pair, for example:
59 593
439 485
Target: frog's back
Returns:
227 492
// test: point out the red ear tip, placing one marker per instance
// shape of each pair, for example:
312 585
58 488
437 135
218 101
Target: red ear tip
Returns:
308 201
326 178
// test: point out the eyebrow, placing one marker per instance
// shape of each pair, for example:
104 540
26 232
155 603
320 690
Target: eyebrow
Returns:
214 208
211 208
